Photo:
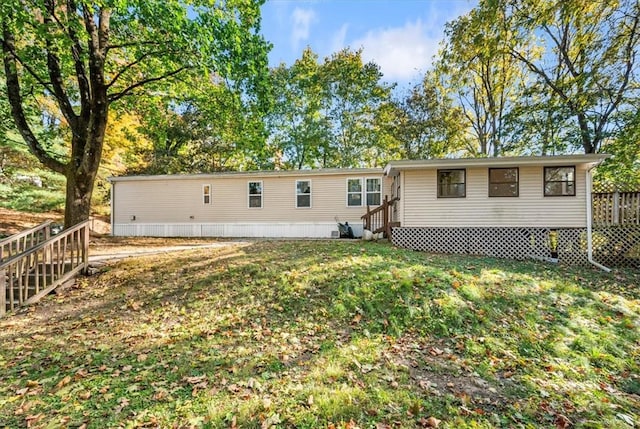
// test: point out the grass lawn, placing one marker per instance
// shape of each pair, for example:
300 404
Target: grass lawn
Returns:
331 334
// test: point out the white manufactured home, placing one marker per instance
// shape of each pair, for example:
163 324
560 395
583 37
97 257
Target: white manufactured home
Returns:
301 203
535 206
514 207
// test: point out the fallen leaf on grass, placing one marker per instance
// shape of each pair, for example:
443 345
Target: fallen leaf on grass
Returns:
22 392
430 422
562 422
434 351
30 420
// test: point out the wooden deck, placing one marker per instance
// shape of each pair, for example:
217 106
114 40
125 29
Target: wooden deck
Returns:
32 267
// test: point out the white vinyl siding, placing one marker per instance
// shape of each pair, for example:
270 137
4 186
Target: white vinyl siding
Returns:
420 205
175 200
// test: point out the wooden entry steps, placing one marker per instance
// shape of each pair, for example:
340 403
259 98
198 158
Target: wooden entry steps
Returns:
43 263
379 219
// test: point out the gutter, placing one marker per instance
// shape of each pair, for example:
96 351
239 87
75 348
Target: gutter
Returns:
589 221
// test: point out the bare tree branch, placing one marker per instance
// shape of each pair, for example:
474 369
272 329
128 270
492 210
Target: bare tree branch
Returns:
55 73
127 91
129 66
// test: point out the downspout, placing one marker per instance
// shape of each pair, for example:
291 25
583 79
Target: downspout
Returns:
113 211
589 221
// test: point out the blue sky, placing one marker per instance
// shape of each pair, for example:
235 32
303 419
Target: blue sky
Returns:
401 36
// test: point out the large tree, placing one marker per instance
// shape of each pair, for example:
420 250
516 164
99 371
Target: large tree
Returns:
483 76
299 129
424 122
86 55
325 114
585 58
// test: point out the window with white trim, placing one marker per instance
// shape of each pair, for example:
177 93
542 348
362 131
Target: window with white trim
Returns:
206 194
255 195
354 192
374 191
303 193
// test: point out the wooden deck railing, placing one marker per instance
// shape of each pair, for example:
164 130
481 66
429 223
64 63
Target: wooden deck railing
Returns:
379 219
616 208
23 241
27 277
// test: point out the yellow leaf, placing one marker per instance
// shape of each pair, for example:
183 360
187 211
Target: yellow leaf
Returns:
66 380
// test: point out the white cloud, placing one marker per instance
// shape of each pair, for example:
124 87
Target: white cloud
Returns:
338 39
302 20
402 52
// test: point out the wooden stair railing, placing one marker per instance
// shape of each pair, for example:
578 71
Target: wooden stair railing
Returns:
379 219
23 241
27 277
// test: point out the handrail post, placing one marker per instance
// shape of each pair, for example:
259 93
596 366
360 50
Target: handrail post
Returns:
3 291
367 220
85 248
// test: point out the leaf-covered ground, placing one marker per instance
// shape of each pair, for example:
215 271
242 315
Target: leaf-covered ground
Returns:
326 334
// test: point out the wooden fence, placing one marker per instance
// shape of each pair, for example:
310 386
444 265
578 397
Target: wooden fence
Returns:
28 276
616 208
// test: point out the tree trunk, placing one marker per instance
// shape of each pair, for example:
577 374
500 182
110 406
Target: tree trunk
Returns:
78 202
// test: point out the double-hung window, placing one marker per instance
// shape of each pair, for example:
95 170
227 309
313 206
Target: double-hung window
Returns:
354 192
303 193
503 182
559 181
255 195
373 190
206 194
452 183
364 191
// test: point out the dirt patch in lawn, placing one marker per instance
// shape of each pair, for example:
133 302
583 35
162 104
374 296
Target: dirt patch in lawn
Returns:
13 222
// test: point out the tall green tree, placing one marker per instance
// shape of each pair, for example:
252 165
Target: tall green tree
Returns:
483 76
325 114
299 133
356 93
586 55
87 55
425 123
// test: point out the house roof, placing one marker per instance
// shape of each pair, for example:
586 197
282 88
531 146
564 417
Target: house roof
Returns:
252 174
393 167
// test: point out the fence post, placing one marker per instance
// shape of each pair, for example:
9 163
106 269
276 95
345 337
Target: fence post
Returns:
616 208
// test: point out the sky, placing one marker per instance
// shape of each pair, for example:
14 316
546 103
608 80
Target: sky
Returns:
401 36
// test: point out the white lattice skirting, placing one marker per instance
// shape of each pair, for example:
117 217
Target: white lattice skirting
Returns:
614 246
